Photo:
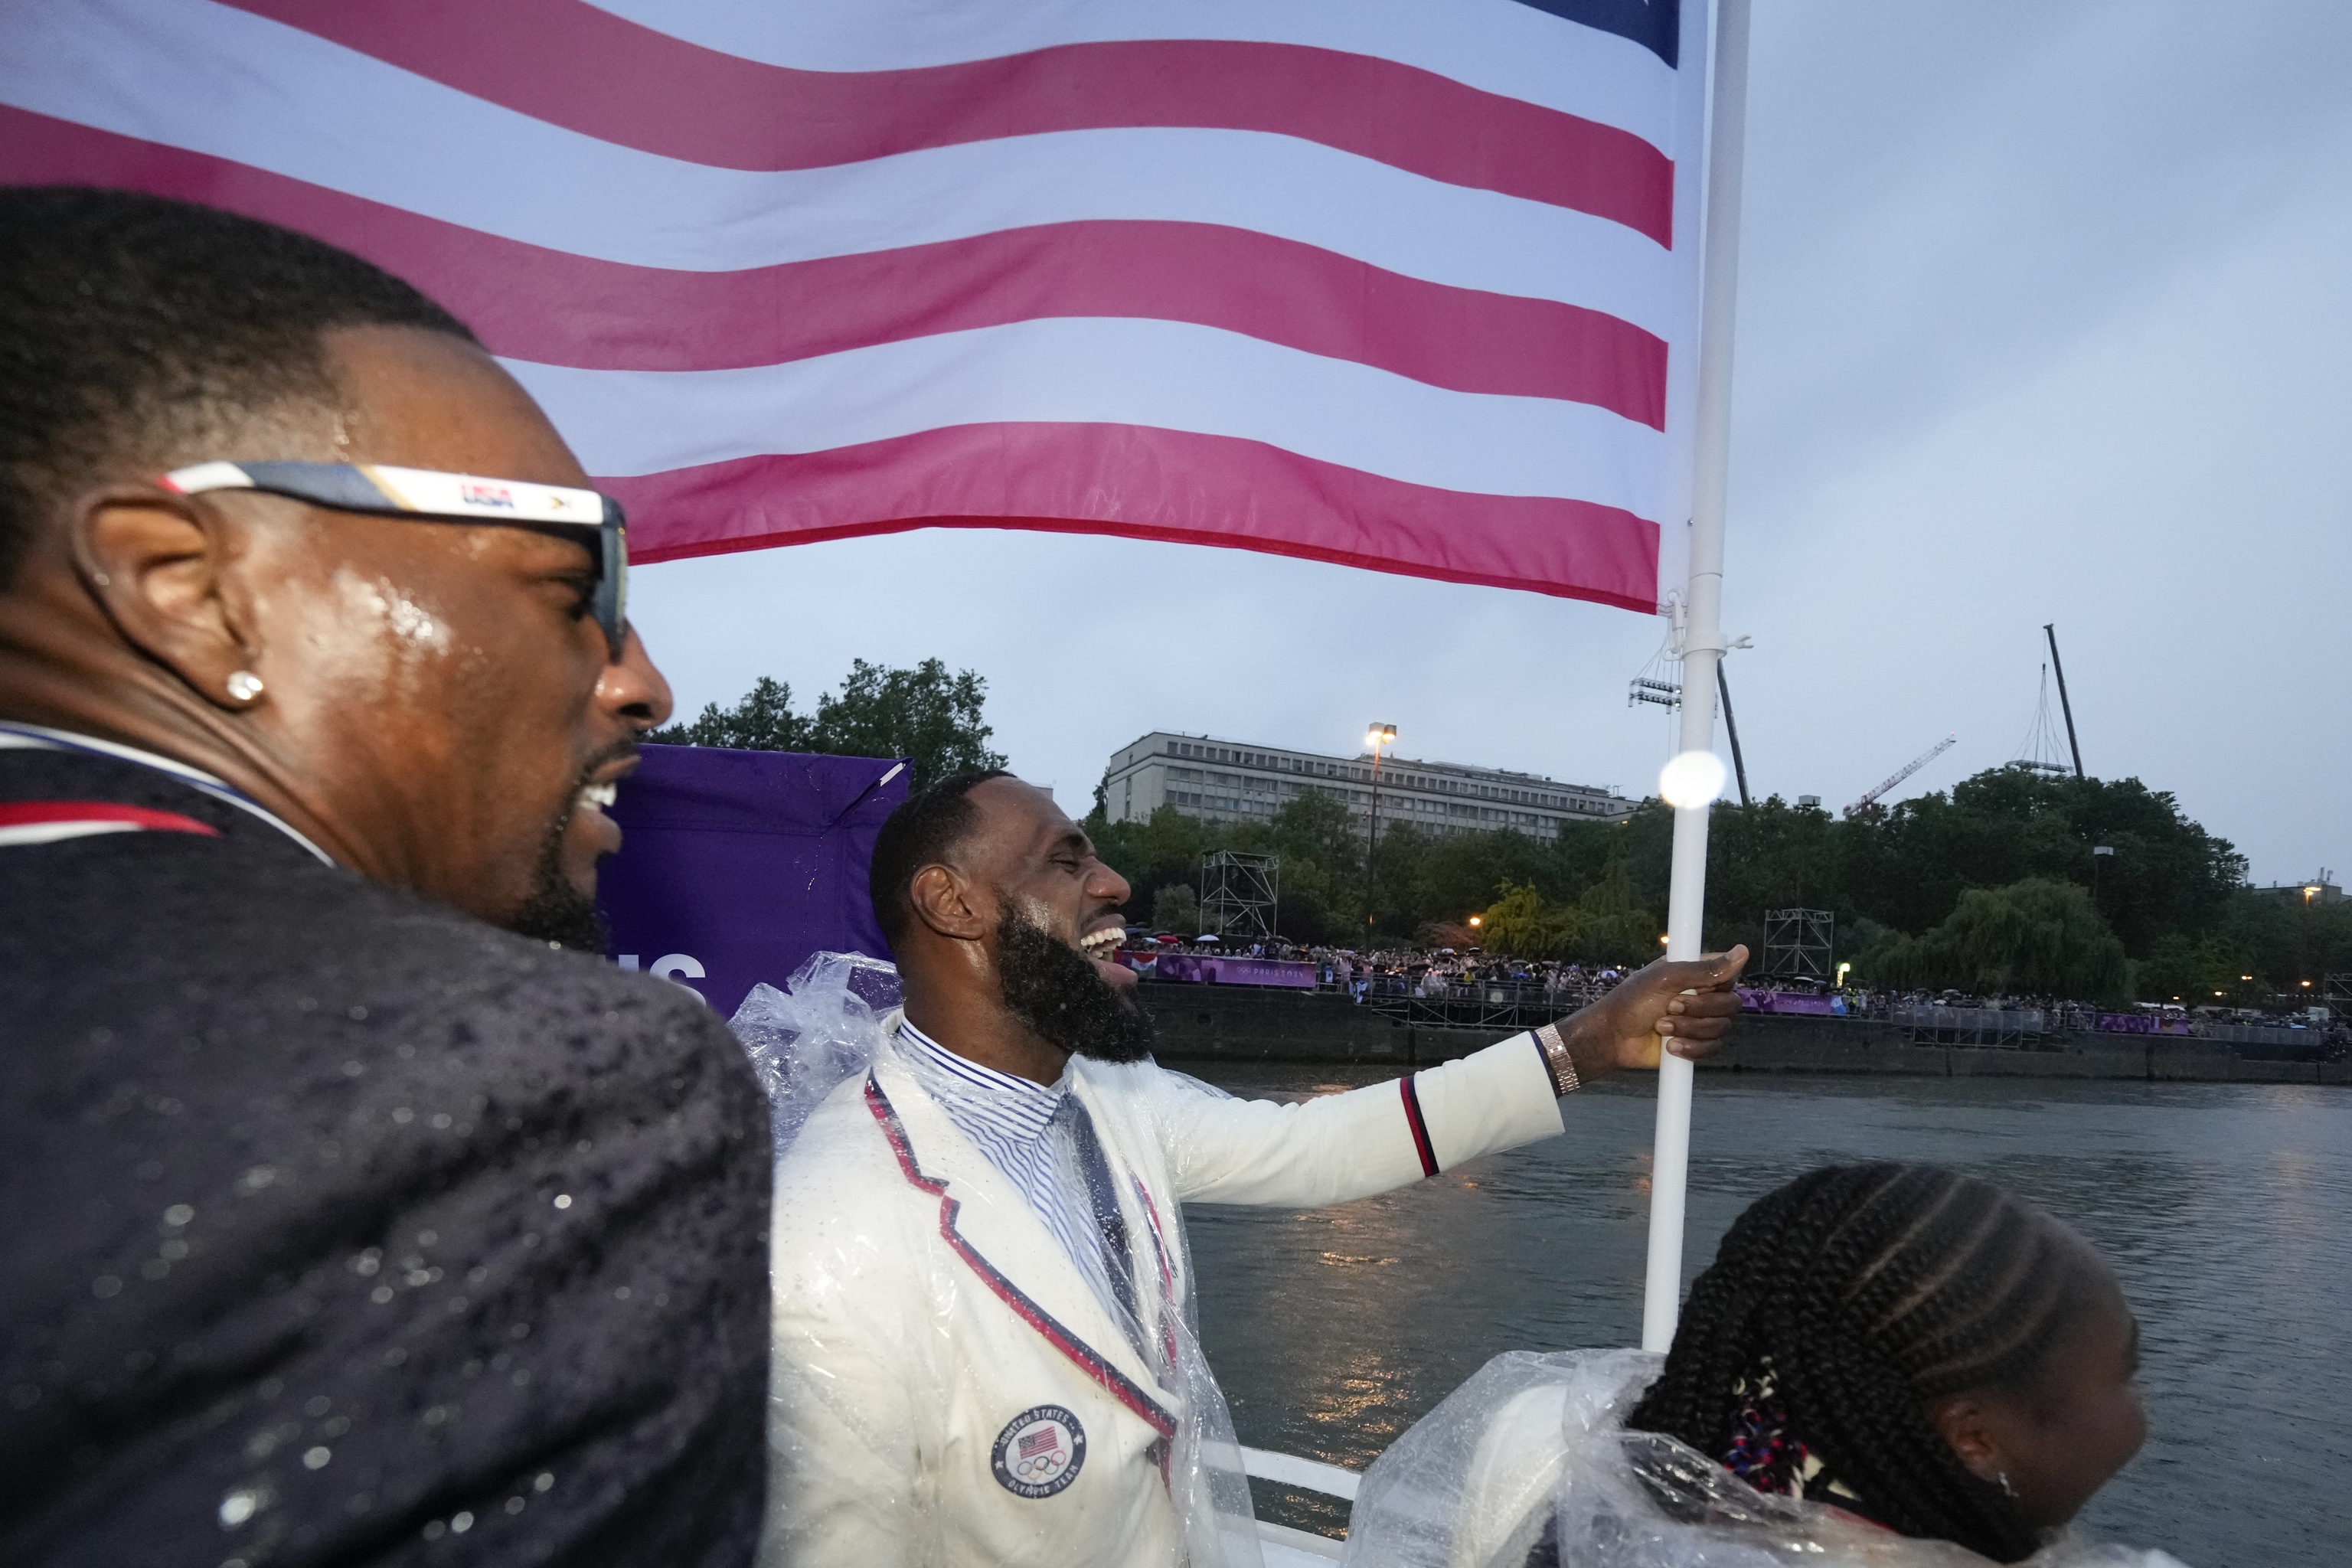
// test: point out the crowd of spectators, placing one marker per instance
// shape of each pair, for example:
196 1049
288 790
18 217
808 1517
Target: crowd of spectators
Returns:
1470 978
1437 974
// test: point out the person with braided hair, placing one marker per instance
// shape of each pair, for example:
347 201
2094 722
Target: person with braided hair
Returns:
1918 1347
1878 1351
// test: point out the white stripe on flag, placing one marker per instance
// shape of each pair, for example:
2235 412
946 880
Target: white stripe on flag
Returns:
1171 374
349 122
1496 45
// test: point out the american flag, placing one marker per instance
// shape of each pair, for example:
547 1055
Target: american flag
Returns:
1036 1443
1407 284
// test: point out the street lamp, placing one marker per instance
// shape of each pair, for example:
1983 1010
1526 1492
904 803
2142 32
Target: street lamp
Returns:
1375 737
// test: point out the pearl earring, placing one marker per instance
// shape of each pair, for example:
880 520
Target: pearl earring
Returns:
244 686
2006 1488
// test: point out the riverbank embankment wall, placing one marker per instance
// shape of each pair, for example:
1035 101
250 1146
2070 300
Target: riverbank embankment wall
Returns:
1240 1024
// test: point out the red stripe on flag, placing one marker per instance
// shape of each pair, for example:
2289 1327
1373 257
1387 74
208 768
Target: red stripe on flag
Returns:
41 813
1145 483
572 65
554 308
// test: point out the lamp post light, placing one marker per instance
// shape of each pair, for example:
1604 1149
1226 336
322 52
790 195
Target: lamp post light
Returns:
1375 737
2099 852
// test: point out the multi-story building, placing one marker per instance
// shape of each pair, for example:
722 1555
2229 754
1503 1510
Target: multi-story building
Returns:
1231 781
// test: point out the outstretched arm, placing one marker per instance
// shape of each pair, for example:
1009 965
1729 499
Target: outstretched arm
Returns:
1368 1140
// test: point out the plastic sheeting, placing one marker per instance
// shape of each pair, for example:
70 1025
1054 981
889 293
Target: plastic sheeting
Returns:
884 1335
1532 1439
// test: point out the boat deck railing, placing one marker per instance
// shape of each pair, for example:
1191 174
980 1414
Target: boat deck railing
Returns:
1284 1547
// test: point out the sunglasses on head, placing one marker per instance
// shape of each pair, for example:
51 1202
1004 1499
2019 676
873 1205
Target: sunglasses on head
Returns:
430 497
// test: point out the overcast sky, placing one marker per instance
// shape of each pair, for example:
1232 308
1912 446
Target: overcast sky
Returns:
2043 317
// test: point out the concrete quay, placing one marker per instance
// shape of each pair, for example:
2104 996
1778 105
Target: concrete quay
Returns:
1242 1024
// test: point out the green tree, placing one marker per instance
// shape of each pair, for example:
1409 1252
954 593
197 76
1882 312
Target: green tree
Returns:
924 714
1315 827
1768 856
1608 922
2036 936
2213 972
1908 865
1177 907
1521 924
762 721
1313 901
1615 924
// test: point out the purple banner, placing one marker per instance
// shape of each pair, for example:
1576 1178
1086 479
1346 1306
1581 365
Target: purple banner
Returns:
737 865
1790 1002
1209 968
2140 1024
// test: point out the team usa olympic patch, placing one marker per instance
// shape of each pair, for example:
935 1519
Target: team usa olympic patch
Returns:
1039 1452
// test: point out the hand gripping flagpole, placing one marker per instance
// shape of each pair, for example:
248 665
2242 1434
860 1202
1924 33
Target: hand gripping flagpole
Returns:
1702 644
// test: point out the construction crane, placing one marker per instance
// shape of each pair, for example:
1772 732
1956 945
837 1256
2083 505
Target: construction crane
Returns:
1905 771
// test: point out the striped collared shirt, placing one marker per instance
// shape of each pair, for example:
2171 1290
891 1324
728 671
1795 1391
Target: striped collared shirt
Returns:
1007 1118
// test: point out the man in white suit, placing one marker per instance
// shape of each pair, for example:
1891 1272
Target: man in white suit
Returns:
983 1350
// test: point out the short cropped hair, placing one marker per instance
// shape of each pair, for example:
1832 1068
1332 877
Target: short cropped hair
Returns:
138 333
925 829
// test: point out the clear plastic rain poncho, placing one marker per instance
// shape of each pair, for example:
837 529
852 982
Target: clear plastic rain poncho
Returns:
1535 1446
814 1048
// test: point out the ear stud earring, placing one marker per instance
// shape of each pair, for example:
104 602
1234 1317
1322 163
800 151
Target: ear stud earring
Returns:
244 686
2006 1488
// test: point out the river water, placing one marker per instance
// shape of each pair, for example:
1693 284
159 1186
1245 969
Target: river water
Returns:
2227 1210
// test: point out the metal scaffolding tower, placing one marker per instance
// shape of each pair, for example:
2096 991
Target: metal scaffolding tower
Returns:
1798 944
2338 996
1239 894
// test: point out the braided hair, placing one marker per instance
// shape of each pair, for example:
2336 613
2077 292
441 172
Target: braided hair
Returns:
1859 1293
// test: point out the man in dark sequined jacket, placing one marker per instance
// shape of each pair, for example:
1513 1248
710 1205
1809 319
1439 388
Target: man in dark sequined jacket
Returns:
338 1224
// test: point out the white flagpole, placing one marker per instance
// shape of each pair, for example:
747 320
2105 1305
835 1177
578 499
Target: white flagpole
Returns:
1702 643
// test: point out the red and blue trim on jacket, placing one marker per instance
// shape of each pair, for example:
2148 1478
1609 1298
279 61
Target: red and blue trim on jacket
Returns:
1420 1129
25 822
1116 1383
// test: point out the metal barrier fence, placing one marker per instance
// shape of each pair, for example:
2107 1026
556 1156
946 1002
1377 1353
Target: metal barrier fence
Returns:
2013 1028
1502 1004
1505 1006
2312 1040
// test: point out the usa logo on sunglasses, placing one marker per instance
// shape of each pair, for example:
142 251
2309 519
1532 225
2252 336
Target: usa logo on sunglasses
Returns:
474 494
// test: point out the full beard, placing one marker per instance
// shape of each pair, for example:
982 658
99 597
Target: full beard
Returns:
1055 990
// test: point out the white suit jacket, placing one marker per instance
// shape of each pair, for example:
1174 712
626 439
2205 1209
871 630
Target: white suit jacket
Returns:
948 1389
